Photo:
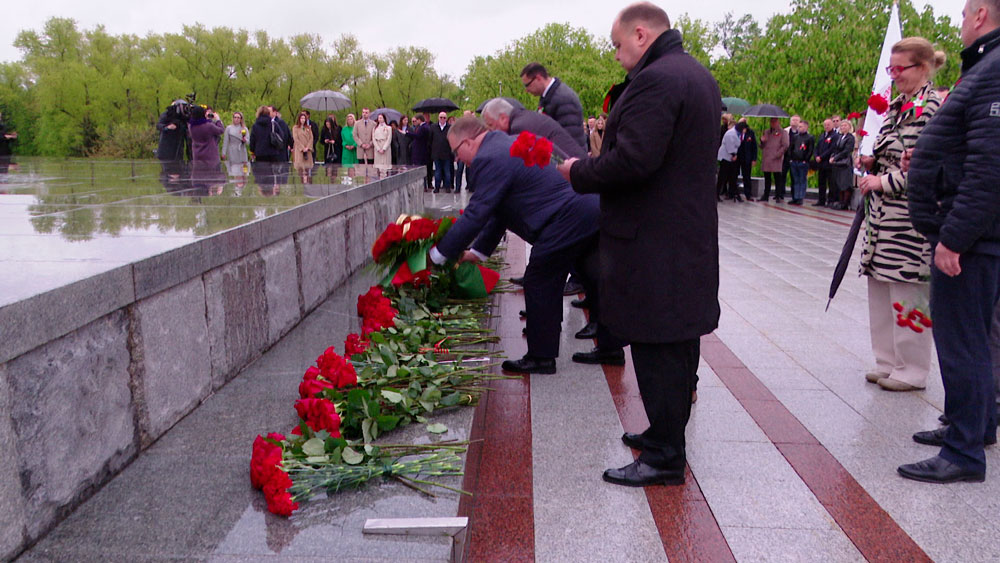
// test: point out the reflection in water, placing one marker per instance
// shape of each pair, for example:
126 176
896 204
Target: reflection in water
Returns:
82 198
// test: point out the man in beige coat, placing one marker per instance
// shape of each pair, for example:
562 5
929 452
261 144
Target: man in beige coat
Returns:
363 129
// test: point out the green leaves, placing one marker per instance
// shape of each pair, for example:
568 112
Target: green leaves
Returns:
437 428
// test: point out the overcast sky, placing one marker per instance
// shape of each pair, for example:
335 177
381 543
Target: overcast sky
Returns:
454 31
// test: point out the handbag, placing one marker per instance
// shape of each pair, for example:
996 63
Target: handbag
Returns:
277 141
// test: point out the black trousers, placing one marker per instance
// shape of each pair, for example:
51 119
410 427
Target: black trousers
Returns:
824 176
666 374
745 168
779 185
726 184
544 280
588 270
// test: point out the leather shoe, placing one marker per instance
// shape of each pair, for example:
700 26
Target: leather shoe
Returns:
939 470
517 281
587 332
528 364
580 303
614 357
572 288
639 474
522 313
633 440
943 419
936 437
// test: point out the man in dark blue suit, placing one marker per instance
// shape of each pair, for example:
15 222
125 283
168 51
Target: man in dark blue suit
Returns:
536 204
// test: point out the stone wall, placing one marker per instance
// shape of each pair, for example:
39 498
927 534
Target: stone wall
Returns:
93 373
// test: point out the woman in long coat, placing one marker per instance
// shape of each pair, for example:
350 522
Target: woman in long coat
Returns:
234 141
329 135
302 137
773 144
895 257
349 156
382 139
205 130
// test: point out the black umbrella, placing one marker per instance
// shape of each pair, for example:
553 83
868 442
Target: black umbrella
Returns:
511 101
846 253
434 105
765 110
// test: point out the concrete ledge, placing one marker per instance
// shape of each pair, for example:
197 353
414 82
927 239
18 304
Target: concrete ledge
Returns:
94 372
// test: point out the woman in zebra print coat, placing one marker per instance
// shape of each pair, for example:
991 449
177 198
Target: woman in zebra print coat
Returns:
895 257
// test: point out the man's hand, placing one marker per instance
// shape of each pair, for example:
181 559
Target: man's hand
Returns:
172 126
468 256
946 260
565 167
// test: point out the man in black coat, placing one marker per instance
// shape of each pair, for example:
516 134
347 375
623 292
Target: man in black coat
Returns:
538 205
501 115
659 243
556 100
746 156
825 146
953 187
420 147
173 133
441 153
800 154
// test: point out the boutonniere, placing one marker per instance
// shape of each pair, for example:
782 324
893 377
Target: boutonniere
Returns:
917 106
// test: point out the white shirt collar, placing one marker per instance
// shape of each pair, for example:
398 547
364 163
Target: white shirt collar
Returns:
547 88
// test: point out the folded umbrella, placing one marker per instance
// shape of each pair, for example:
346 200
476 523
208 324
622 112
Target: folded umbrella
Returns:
846 253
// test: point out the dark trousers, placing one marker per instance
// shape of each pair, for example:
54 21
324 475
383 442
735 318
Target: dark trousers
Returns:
779 185
442 173
430 175
745 168
666 374
544 279
800 174
726 184
824 175
588 271
962 308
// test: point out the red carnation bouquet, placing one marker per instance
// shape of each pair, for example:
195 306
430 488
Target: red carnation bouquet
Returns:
914 317
402 248
534 150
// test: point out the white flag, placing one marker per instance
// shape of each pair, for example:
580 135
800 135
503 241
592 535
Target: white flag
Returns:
883 83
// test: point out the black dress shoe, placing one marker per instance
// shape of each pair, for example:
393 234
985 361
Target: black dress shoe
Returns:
939 470
522 313
638 474
580 303
632 440
529 364
614 357
587 332
819 204
936 437
517 281
572 288
943 419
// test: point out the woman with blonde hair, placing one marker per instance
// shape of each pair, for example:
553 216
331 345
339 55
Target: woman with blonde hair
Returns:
597 135
895 257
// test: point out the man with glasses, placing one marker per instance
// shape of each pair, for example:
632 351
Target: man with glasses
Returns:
534 203
441 154
556 100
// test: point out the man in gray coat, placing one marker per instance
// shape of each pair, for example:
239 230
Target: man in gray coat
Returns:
659 239
556 100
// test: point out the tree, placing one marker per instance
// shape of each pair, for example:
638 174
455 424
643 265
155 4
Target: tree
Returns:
699 38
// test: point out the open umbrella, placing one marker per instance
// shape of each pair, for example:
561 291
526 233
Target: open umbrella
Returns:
325 100
512 101
434 105
389 113
735 105
765 110
846 253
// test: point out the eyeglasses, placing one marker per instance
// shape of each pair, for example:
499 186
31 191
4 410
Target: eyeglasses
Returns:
459 145
530 82
898 69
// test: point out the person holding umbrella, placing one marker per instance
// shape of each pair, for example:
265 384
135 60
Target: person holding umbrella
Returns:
895 257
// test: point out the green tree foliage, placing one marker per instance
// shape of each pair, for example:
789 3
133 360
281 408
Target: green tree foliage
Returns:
585 63
820 58
75 91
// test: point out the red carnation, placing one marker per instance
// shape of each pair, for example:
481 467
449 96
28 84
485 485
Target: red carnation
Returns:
854 115
319 414
862 133
310 388
336 370
280 503
390 236
542 153
354 344
878 103
265 458
420 229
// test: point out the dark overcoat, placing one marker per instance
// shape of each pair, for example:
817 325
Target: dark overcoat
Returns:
563 105
659 242
541 124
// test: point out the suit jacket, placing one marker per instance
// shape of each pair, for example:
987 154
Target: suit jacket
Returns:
659 244
534 203
363 130
438 139
824 148
541 124
420 146
563 105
